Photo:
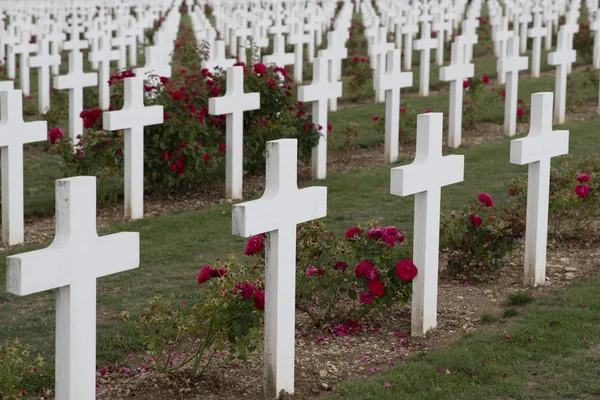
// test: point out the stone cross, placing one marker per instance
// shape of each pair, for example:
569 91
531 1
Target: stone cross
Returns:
456 73
561 58
319 92
595 27
440 25
409 30
277 214
537 150
298 38
392 81
24 49
524 20
75 81
469 37
279 56
334 54
218 58
233 104
121 41
43 61
425 44
14 133
502 36
56 37
11 39
71 265
102 57
424 178
511 65
132 119
536 33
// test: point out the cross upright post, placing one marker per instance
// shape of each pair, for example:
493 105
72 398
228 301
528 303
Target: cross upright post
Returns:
75 81
277 213
334 54
43 61
71 265
424 178
511 65
319 92
132 119
537 150
561 58
392 81
14 133
456 73
234 104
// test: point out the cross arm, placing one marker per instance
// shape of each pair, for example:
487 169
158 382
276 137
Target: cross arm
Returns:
24 275
423 175
532 149
118 252
230 104
457 72
267 214
316 92
128 118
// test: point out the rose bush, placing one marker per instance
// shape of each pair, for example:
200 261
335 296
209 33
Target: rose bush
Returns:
17 365
338 280
188 149
479 237
574 196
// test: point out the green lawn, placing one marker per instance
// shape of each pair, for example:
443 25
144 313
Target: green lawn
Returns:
549 352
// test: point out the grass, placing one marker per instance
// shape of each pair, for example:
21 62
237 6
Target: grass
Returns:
518 298
551 352
488 317
174 247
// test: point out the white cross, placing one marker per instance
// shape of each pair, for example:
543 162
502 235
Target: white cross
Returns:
392 81
319 92
233 104
409 30
537 32
469 37
11 40
424 45
14 133
595 27
75 81
524 20
424 178
510 66
43 60
121 41
456 73
537 150
71 264
298 38
334 54
24 49
277 213
56 37
279 56
377 52
217 58
132 118
440 25
561 58
102 57
502 36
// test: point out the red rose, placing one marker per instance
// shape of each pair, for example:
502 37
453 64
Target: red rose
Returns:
366 298
177 95
520 112
475 219
582 191
486 79
466 83
247 290
260 68
581 178
204 274
406 270
222 147
259 299
352 232
362 268
376 288
164 80
486 199
340 266
375 118
254 246
206 157
55 134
